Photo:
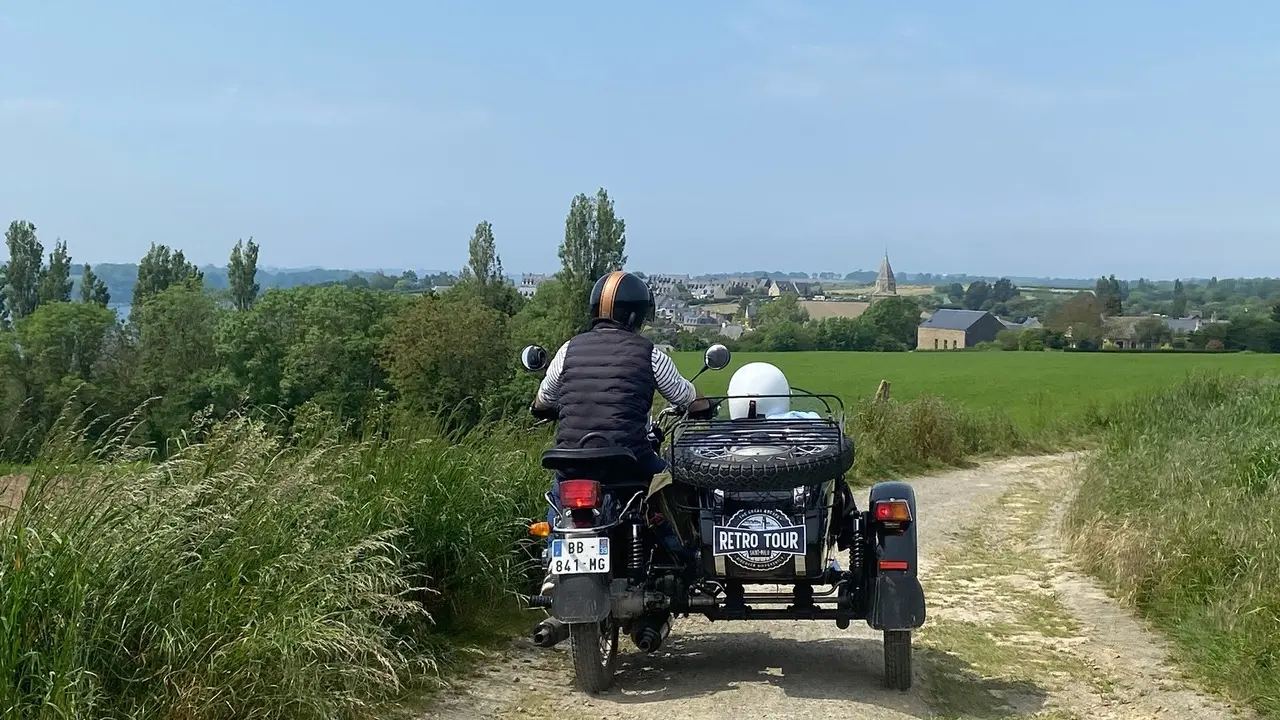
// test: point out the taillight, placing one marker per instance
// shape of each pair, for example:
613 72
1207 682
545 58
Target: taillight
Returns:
892 515
580 494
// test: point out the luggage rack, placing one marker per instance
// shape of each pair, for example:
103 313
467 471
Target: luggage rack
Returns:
718 435
759 453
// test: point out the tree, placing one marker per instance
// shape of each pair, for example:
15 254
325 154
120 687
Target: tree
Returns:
161 269
977 294
1004 290
843 334
242 274
55 285
1107 291
1152 331
25 270
483 279
48 359
1179 307
1275 312
314 344
4 315
595 241
1034 339
484 266
895 321
1009 339
62 340
547 318
445 356
1081 309
92 289
955 293
176 358
783 309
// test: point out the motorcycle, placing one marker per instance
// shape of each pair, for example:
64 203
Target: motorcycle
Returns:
752 500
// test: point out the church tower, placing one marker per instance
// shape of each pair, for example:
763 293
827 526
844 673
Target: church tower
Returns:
886 285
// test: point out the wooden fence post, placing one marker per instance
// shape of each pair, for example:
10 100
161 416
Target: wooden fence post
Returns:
882 392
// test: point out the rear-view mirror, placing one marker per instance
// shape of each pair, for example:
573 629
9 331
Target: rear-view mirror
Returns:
717 357
533 358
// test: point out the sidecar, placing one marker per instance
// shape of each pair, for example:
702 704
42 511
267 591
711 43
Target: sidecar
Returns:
764 503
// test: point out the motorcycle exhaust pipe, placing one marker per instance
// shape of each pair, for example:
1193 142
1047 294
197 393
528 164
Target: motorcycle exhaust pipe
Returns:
649 637
549 633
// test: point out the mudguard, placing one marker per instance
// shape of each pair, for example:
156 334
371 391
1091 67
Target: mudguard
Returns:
897 600
581 598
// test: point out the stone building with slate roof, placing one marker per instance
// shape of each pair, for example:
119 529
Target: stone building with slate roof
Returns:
957 329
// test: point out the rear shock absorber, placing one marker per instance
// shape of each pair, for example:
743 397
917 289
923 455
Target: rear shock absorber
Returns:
857 551
637 552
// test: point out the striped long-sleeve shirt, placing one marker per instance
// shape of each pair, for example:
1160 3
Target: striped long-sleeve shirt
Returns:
671 384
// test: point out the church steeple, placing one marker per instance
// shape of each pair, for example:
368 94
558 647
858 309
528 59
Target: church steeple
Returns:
886 284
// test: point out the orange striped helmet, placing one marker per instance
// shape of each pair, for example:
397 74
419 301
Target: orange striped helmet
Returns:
623 298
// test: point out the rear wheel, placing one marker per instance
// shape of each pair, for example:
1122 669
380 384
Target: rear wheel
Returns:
595 654
897 659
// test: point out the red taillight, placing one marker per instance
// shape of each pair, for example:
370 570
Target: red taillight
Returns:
894 511
580 494
893 516
894 565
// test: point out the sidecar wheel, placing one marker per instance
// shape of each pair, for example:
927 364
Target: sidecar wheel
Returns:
897 659
595 654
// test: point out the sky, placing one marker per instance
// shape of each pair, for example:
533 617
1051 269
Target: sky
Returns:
1066 139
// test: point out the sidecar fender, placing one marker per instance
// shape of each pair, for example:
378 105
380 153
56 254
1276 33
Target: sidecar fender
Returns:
897 599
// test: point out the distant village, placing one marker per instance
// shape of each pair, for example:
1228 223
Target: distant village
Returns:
728 307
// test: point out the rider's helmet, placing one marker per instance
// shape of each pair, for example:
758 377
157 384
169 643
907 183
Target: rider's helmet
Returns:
752 381
623 298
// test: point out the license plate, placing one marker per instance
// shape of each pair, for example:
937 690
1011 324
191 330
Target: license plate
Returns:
572 556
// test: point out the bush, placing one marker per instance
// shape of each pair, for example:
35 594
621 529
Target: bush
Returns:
1178 513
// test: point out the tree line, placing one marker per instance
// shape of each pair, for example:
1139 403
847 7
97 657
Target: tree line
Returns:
187 351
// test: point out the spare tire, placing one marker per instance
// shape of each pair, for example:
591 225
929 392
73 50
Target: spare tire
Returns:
734 463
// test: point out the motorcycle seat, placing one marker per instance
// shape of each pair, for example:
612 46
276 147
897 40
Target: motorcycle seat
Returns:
609 458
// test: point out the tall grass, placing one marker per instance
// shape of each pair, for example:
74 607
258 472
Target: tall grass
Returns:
1180 513
894 438
243 577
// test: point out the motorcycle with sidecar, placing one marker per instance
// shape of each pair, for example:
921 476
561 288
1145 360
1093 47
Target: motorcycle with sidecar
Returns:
750 501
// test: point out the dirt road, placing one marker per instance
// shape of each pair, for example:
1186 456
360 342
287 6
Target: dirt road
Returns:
1012 631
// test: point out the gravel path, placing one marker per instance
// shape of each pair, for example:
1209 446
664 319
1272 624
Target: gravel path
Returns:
1013 631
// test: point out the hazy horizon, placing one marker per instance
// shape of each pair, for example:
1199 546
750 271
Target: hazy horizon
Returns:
986 138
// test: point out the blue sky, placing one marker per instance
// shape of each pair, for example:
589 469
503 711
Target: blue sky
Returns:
1029 138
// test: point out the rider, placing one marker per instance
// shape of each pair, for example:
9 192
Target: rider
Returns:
602 381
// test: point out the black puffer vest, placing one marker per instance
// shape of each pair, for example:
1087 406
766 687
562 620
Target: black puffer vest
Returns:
607 387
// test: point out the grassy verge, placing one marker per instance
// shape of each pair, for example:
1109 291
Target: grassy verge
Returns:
248 577
251 575
1179 513
896 438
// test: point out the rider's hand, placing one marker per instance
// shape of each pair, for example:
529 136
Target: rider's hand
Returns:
543 413
700 408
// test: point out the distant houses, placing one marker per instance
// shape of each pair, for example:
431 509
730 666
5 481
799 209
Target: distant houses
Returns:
1125 332
529 283
1028 324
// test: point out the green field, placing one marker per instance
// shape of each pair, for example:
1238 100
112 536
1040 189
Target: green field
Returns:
1035 389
